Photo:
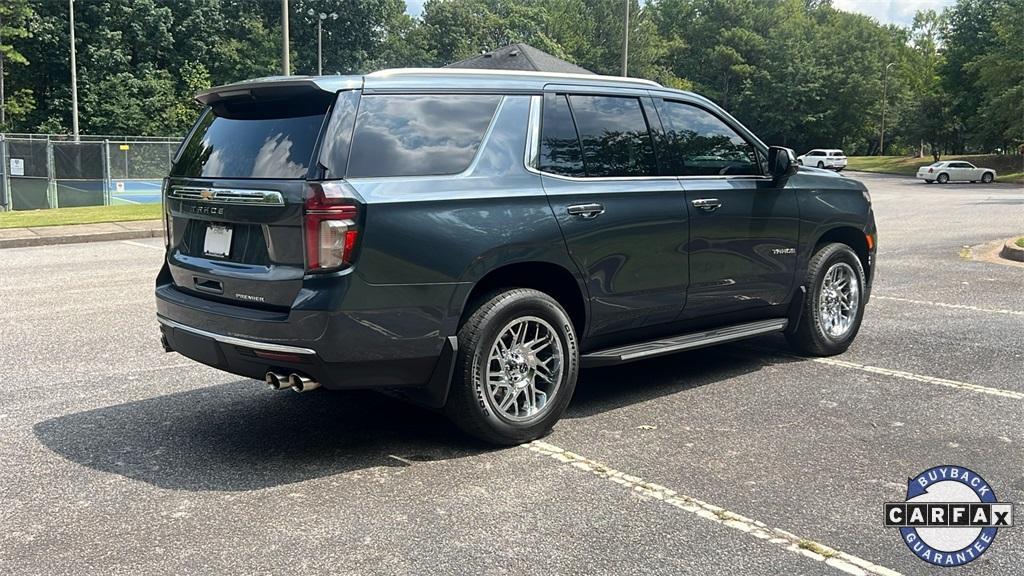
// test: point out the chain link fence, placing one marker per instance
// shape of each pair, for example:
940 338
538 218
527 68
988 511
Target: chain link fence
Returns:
53 171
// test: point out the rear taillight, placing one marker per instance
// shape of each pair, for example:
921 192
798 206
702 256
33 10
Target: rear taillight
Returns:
168 221
930 170
331 226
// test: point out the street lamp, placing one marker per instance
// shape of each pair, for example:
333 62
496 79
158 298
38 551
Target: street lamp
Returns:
320 17
881 137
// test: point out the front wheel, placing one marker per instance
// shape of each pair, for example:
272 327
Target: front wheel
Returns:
516 369
821 164
987 177
834 305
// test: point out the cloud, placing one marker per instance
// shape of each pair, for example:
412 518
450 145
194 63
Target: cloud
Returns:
899 12
414 7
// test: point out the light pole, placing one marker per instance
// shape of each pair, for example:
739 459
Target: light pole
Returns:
286 68
881 137
74 74
625 44
320 17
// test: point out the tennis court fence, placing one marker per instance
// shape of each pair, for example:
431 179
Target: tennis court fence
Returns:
55 171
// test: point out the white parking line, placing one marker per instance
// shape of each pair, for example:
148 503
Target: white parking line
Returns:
141 245
921 378
954 306
786 540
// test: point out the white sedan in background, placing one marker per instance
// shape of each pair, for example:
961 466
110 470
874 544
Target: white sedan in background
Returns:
955 171
824 158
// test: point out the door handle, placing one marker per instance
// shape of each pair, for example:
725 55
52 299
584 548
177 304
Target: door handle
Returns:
586 211
707 204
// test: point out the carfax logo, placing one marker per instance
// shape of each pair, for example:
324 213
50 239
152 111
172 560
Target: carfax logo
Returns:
951 515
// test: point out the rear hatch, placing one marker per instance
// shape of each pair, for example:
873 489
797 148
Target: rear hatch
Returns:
234 201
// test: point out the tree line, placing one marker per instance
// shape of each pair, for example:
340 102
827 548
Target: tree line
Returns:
799 73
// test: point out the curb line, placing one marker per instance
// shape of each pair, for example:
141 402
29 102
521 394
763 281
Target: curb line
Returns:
1011 251
79 238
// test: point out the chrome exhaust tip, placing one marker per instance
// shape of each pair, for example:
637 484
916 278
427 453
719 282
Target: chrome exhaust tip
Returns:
277 381
301 383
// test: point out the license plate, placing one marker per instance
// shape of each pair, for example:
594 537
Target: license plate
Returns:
218 241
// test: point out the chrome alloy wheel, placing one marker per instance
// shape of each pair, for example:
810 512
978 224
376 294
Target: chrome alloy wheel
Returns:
839 300
524 368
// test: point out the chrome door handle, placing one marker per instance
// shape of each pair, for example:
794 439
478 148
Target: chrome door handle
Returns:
707 204
586 210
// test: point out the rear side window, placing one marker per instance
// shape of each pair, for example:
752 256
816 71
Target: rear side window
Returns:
698 143
839 153
560 151
249 139
418 135
614 136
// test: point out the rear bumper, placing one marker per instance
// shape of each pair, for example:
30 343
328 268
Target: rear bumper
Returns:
391 346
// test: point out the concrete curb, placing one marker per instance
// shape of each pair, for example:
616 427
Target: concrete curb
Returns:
1011 251
56 235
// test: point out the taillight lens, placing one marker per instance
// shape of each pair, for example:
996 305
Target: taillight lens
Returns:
331 226
931 170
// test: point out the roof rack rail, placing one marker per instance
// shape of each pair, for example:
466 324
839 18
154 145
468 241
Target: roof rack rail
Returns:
513 73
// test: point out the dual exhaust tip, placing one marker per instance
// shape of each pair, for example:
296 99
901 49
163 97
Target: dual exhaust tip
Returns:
295 381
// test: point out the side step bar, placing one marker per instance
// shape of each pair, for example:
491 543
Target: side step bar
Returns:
690 341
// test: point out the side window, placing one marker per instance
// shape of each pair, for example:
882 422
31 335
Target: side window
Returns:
418 135
613 135
560 151
698 143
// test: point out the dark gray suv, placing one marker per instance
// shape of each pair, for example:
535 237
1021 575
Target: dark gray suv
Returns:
471 239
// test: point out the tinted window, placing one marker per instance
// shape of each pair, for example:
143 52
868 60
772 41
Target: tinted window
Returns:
338 134
418 135
839 153
253 140
698 143
614 136
560 151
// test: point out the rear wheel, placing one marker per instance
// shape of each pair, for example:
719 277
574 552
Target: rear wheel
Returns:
516 369
987 177
834 304
943 178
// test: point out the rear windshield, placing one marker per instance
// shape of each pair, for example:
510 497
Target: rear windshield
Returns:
254 140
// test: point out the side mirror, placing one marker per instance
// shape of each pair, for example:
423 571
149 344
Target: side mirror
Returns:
781 161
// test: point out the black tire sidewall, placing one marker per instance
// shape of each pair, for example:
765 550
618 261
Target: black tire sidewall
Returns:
987 178
942 179
475 341
811 334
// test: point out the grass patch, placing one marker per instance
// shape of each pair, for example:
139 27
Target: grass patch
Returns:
817 548
1020 242
1008 167
86 215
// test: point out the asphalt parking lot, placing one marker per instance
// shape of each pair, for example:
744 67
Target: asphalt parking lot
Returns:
116 458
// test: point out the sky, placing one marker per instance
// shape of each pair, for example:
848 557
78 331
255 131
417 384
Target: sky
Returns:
885 11
891 11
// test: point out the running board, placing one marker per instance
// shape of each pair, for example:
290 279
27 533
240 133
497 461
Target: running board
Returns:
690 341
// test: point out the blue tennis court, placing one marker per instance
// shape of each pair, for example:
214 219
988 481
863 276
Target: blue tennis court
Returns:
135 192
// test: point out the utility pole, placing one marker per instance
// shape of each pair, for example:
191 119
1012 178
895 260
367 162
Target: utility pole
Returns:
885 81
286 68
625 44
74 74
3 101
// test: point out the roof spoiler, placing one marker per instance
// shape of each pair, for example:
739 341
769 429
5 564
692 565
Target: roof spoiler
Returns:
277 87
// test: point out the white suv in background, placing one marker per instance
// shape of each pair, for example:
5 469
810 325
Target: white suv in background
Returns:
824 158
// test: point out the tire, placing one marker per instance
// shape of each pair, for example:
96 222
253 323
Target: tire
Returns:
812 335
987 177
929 181
475 405
799 162
943 178
821 164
